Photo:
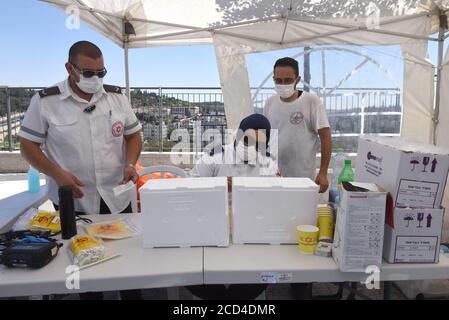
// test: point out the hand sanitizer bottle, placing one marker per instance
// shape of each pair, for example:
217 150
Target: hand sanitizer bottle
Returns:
34 185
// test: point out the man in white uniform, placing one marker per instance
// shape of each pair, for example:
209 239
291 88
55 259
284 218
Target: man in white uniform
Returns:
301 122
90 135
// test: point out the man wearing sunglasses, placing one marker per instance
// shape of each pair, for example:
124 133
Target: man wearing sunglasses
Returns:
301 122
89 133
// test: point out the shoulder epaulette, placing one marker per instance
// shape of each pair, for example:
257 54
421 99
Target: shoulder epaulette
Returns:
215 149
112 89
53 91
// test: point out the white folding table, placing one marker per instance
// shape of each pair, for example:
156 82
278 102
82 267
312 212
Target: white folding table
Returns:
285 264
15 200
135 268
169 267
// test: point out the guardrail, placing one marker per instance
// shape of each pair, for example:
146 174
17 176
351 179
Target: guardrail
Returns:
351 112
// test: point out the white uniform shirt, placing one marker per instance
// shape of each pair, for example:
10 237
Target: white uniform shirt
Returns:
226 164
90 146
297 123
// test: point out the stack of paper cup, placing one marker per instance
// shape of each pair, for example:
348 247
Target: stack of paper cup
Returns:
325 223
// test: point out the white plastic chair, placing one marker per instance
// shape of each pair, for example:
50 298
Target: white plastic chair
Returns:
163 170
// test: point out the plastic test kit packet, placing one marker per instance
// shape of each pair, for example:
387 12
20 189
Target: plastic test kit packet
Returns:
35 219
112 230
122 188
86 251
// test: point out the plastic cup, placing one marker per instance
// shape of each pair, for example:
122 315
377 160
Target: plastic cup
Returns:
326 226
307 238
325 223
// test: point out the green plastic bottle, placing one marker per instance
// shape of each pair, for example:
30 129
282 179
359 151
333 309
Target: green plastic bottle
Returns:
346 175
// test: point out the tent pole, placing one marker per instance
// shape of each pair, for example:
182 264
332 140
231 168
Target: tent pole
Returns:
126 48
323 69
306 68
436 112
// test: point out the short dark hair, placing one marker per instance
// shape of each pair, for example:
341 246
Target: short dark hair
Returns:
84 48
287 62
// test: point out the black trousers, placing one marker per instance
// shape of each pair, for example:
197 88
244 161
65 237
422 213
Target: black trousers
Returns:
135 294
104 209
233 292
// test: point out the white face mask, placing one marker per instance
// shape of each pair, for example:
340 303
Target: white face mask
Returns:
90 85
285 90
245 153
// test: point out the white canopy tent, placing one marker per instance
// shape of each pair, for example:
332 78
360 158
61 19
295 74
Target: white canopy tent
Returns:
240 27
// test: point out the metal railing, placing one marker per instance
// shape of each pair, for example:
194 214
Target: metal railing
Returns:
351 112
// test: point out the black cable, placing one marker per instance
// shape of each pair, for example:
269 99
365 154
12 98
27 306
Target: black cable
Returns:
81 218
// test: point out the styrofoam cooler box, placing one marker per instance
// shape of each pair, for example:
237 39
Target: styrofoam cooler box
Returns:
185 212
268 209
414 173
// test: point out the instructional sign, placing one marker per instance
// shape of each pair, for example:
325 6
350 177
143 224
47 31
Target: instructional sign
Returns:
416 249
416 193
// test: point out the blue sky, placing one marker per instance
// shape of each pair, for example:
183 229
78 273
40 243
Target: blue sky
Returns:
35 44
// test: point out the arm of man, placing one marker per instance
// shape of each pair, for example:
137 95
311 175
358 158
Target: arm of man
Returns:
326 152
133 150
133 142
32 153
32 135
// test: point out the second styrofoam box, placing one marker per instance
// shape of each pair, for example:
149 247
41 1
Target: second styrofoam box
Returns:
185 212
268 209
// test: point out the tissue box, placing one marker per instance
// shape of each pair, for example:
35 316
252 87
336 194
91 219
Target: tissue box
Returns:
359 228
185 212
413 235
268 209
414 173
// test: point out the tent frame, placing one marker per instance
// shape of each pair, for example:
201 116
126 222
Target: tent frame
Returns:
125 39
443 27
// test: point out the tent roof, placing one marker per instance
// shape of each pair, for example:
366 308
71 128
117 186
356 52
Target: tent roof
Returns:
186 22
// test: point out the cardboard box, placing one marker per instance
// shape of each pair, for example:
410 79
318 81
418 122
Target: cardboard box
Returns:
415 174
268 209
359 228
185 212
413 235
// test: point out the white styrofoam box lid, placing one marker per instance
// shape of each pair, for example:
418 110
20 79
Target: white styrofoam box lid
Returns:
184 183
406 145
274 182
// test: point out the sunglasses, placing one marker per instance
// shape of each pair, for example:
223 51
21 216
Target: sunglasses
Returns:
91 73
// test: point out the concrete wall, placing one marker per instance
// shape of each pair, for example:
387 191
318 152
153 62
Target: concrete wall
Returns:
12 162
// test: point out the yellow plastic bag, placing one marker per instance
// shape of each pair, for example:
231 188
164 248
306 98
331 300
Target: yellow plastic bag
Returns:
44 220
87 250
